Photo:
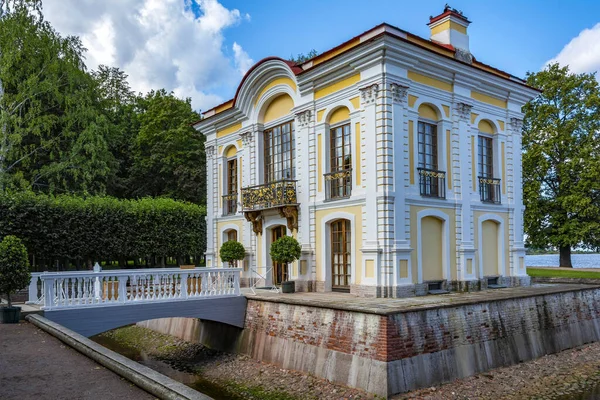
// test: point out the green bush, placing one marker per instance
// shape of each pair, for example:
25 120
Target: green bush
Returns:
14 266
81 230
285 250
232 251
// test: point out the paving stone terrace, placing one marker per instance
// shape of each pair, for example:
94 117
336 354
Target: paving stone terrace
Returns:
388 306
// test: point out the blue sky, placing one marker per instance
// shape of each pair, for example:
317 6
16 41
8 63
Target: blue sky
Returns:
202 48
515 36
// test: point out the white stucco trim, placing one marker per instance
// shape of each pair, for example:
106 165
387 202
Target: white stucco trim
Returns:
326 248
501 244
445 242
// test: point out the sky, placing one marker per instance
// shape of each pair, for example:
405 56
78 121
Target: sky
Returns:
202 48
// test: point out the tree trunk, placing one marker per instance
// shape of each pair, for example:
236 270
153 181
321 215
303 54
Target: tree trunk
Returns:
565 257
8 299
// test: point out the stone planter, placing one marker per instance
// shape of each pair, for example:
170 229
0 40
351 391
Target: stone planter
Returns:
288 287
10 315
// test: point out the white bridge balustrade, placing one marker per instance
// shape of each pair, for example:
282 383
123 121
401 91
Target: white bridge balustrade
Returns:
117 287
93 302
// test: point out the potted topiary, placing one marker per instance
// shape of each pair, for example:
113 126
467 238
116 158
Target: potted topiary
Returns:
232 251
286 250
14 275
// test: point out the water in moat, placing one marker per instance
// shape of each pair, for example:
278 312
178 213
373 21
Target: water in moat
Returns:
190 379
551 260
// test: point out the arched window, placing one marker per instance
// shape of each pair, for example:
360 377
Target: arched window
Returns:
338 182
232 235
341 250
489 184
432 181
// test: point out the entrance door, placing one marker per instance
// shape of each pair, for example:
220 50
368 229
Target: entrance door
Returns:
341 250
279 269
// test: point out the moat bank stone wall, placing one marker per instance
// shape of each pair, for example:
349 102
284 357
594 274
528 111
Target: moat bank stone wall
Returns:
393 352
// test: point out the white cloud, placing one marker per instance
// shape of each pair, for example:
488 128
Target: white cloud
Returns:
159 43
582 53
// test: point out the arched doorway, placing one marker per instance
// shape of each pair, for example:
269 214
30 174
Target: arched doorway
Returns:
490 247
341 251
432 236
280 273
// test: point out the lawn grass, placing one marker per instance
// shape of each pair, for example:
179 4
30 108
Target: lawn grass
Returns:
561 273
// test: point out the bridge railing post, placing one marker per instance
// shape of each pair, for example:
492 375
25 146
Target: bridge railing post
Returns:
48 292
236 282
33 289
122 298
184 276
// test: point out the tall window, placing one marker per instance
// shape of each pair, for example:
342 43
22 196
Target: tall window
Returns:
427 146
339 180
232 235
341 251
279 153
432 183
230 198
486 157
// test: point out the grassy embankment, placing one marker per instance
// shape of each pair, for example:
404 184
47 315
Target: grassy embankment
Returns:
562 273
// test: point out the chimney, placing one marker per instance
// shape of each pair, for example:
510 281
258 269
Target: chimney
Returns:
450 27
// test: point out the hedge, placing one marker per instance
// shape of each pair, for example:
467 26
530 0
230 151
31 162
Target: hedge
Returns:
68 230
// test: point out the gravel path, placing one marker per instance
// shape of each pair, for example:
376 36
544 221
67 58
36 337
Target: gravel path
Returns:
35 365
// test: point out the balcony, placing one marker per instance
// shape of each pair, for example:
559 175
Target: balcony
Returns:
230 204
338 184
489 190
280 195
432 183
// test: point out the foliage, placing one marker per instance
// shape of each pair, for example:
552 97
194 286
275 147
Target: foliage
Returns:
102 228
285 250
53 136
168 153
561 161
561 273
300 58
231 251
14 266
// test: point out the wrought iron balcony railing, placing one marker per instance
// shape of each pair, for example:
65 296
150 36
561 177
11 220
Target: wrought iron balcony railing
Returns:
489 190
338 184
269 195
432 183
230 204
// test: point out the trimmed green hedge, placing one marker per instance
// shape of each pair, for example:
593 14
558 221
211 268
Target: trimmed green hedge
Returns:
67 229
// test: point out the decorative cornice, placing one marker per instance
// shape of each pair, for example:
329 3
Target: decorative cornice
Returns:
246 138
463 110
369 94
304 118
398 92
516 124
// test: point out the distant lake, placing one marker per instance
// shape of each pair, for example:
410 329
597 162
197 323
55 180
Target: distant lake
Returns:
551 260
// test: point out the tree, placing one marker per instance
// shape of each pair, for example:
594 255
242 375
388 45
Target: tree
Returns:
285 250
52 131
232 251
561 161
300 58
14 266
168 153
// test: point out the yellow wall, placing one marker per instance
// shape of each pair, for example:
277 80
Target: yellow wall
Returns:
275 82
220 225
444 26
426 80
319 163
412 100
502 215
339 115
330 54
489 247
356 243
335 87
432 237
231 151
414 210
278 107
355 102
486 127
230 130
358 156
426 111
484 98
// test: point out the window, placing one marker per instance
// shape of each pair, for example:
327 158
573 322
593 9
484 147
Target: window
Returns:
232 235
341 251
489 186
339 180
230 198
279 153
432 183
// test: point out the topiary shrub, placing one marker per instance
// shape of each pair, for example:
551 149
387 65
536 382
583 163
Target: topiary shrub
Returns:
285 250
232 251
14 266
